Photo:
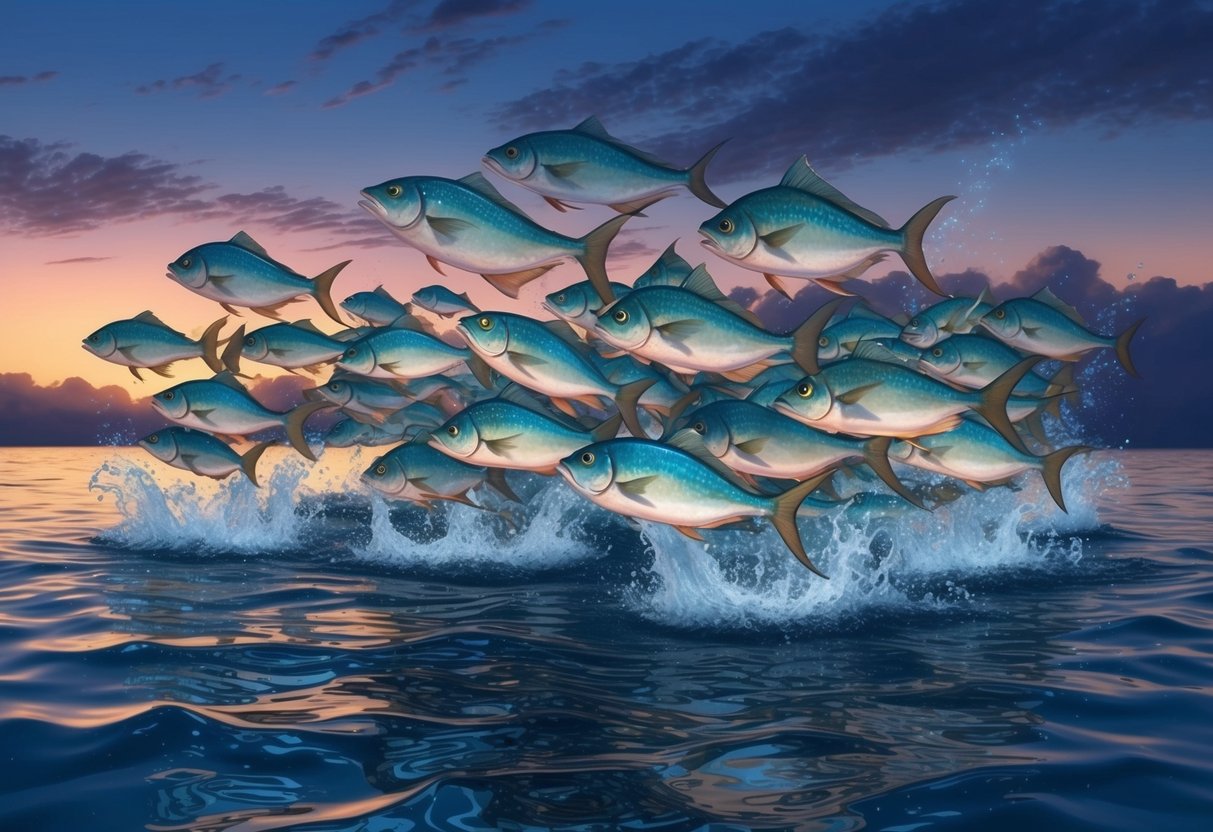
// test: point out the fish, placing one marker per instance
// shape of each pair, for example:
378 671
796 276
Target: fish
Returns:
862 397
377 308
667 270
443 302
804 227
838 340
366 400
579 304
347 433
401 351
293 346
681 485
755 440
890 350
222 405
974 361
954 316
200 453
589 165
239 272
468 224
1044 325
145 342
660 398
548 358
687 332
977 455
419 474
514 430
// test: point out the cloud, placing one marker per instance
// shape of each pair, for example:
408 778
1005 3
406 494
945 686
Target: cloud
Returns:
284 87
978 71
74 412
77 260
208 83
450 13
447 57
35 177
1169 406
361 29
19 80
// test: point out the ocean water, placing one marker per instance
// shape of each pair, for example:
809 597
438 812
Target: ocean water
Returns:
178 654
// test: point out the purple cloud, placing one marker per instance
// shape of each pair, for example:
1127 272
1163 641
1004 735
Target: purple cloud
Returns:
280 89
18 80
208 83
71 260
359 30
450 13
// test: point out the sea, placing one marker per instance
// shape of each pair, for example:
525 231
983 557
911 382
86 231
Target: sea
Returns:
180 654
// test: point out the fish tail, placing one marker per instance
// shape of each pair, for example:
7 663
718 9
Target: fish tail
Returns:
696 182
594 251
495 477
322 288
876 455
233 351
1050 471
993 401
784 518
804 339
248 461
1122 348
294 426
911 247
210 345
608 428
627 400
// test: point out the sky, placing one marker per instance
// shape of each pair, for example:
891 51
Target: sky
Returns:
133 131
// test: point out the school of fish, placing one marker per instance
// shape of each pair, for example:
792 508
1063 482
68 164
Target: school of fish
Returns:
658 398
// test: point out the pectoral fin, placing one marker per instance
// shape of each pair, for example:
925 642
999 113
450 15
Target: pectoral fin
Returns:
203 415
503 445
564 170
776 239
854 396
752 446
448 226
680 329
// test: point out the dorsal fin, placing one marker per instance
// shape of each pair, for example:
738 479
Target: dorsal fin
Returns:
593 127
407 321
802 177
690 442
246 242
701 283
482 186
1047 297
862 310
228 379
306 324
383 293
672 259
986 296
146 317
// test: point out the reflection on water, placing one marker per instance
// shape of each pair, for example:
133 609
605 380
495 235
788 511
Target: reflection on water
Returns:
341 664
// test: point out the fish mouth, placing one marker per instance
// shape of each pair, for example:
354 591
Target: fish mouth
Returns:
708 242
373 207
780 406
493 165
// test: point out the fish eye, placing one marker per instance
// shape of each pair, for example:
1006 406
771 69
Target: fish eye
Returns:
726 225
1000 313
560 298
699 427
823 341
335 386
249 341
351 352
168 395
94 337
804 390
511 152
453 430
937 352
381 470
587 458
915 323
153 439
485 323
394 190
621 316
185 262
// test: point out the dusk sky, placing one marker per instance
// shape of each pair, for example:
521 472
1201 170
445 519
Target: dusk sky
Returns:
132 132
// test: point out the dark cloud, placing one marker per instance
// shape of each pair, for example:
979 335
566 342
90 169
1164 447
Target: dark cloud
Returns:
917 78
35 176
450 13
77 260
449 58
1170 406
359 30
211 82
18 80
284 87
74 412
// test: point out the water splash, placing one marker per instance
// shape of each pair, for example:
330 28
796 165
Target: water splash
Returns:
548 532
203 516
922 561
